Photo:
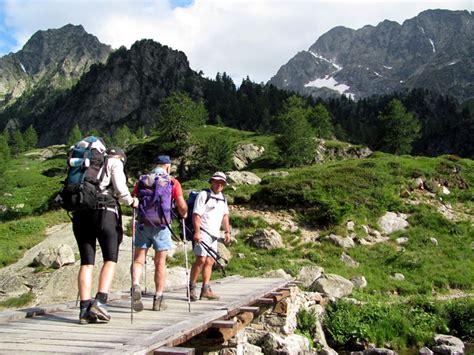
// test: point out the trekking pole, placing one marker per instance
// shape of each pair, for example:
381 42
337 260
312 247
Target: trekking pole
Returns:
133 267
188 280
145 291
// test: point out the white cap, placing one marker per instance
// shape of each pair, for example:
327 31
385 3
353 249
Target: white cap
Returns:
218 175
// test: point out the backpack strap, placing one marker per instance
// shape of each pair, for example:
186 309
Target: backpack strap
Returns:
208 197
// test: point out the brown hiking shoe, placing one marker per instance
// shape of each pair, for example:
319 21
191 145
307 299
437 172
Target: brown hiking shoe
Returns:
158 303
192 292
206 292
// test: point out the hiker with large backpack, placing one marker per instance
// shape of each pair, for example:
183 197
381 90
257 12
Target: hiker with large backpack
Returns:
210 211
156 191
94 188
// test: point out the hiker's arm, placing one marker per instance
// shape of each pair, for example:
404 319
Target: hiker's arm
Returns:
182 206
226 225
197 227
120 183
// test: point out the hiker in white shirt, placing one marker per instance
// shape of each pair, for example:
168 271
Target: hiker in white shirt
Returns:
208 217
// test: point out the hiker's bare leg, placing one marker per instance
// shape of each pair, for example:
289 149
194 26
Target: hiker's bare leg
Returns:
84 281
196 268
106 276
160 271
138 262
207 270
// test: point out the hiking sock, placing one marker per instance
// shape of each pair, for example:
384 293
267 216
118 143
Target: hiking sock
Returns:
85 303
102 297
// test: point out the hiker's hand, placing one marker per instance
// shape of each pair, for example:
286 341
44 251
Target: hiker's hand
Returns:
134 204
227 237
197 237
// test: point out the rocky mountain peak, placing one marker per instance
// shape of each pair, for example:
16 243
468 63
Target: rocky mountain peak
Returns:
432 50
50 60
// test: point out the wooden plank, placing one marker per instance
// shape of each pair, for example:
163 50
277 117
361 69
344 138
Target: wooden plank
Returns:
223 324
63 342
249 309
168 350
264 300
150 330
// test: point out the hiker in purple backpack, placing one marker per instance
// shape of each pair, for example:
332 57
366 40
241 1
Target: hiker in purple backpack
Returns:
208 216
103 223
155 191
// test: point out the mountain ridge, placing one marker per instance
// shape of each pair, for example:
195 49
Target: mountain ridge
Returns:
431 50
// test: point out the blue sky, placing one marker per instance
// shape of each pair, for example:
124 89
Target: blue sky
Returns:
241 37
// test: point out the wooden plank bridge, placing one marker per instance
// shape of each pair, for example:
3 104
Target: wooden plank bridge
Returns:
55 329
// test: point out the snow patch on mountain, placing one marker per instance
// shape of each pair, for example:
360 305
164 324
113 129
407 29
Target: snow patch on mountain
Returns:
23 67
330 83
333 62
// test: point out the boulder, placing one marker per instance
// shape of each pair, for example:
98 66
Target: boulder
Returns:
333 286
308 274
55 257
243 178
392 222
425 351
347 259
379 351
293 344
245 154
350 226
434 241
266 239
280 273
343 242
223 251
448 344
359 281
402 241
398 276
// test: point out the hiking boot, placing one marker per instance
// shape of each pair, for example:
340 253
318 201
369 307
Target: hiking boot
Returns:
85 317
99 310
192 293
158 303
206 292
137 303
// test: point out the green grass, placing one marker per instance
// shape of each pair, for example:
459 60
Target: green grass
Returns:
19 235
26 189
17 302
324 196
401 323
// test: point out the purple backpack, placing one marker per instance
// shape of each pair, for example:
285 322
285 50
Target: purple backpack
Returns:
154 194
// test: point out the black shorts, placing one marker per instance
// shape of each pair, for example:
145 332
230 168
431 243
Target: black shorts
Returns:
102 225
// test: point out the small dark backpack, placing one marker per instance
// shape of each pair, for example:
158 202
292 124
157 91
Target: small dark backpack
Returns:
189 227
154 194
81 187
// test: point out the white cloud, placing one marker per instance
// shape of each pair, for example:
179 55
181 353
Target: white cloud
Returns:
241 37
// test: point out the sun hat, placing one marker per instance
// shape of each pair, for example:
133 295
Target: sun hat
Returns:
163 159
218 175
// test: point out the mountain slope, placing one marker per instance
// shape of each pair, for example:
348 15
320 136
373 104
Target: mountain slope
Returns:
50 62
127 89
432 50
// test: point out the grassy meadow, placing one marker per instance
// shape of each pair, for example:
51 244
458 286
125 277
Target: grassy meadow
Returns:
322 197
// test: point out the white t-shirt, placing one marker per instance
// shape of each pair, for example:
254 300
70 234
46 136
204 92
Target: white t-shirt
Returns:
116 176
211 212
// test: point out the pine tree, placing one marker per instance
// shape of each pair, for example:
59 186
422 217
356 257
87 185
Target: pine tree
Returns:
30 137
18 143
296 138
4 153
122 137
74 136
217 154
399 128
320 119
177 117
